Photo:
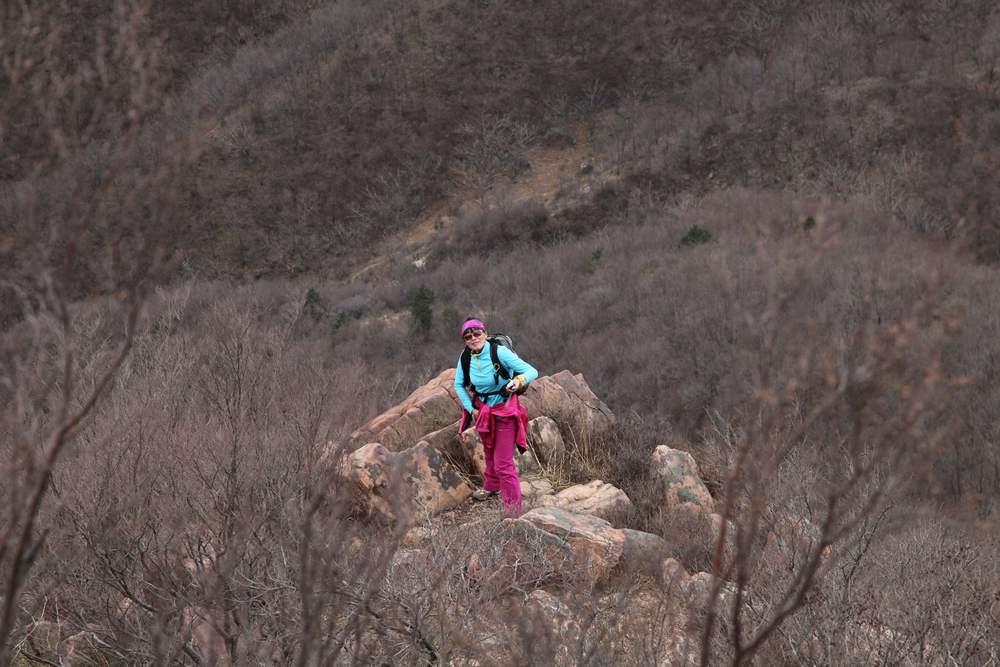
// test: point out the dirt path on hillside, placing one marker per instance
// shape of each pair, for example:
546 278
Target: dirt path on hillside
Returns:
550 167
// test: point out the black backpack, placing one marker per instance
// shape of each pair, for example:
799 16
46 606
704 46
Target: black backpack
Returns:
498 368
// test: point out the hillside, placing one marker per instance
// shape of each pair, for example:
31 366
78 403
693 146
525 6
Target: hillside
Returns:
764 233
331 132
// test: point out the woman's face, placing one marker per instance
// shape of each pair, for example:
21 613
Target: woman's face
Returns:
474 339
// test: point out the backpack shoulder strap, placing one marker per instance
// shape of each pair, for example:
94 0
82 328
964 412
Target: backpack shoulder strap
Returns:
498 366
466 360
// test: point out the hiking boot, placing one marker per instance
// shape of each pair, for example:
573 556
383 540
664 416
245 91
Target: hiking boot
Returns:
483 494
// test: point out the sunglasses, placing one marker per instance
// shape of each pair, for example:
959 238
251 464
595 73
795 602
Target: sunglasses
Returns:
472 333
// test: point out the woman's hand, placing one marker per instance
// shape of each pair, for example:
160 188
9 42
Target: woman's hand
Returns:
513 385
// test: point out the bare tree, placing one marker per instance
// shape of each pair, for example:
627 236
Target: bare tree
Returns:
851 414
84 216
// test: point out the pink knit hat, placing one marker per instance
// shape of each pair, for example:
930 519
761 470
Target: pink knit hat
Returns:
472 324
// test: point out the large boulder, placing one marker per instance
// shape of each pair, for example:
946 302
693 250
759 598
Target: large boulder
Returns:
676 474
552 546
595 497
406 485
515 555
533 488
468 451
597 546
545 439
544 546
561 632
673 576
527 463
430 408
435 406
443 438
644 552
569 400
700 588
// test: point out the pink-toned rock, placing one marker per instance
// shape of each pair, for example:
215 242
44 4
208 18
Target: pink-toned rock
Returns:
516 555
405 485
677 476
568 399
595 497
536 487
527 463
467 451
545 439
470 451
437 484
444 439
435 406
700 587
643 552
673 576
368 467
430 408
544 610
544 546
596 545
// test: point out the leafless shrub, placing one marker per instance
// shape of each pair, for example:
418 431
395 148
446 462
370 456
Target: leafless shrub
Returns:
886 389
499 225
88 211
490 144
390 201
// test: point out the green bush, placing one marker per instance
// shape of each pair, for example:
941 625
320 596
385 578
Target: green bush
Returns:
594 260
696 236
420 302
341 320
313 306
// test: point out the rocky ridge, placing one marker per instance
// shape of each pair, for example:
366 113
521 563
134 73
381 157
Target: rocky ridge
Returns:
566 539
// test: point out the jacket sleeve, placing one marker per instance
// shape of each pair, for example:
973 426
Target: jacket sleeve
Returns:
516 365
463 395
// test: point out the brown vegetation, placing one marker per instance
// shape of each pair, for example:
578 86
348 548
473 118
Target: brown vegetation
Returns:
332 132
229 390
759 277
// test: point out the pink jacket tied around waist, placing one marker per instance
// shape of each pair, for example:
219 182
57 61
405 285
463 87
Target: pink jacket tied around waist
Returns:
484 422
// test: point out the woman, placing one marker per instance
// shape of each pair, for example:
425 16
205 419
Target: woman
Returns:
491 403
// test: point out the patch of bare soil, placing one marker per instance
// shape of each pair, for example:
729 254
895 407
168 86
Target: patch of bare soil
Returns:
551 167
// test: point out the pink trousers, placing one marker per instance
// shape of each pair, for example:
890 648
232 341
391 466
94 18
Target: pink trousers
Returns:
501 471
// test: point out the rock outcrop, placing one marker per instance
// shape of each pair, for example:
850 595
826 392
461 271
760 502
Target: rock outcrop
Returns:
676 473
467 451
426 475
430 408
435 406
595 546
545 439
561 626
405 485
643 552
534 488
598 498
568 399
551 545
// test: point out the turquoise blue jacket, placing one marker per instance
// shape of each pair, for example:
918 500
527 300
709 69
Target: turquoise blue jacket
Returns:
481 370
